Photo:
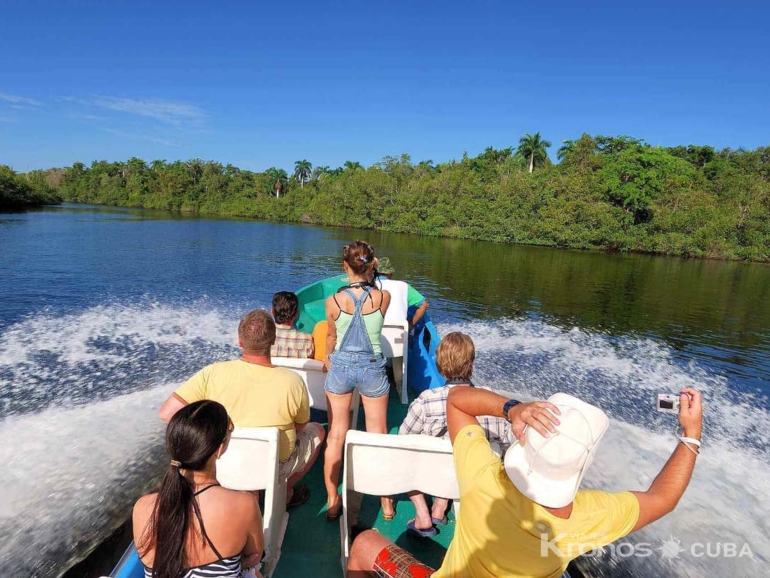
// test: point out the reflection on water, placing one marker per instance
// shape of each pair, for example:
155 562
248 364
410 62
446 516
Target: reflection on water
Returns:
705 309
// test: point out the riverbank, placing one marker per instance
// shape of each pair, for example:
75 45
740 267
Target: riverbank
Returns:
22 191
612 194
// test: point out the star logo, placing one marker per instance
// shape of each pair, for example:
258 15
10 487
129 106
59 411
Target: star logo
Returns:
671 549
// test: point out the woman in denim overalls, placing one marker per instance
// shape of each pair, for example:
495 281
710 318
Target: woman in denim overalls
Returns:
355 317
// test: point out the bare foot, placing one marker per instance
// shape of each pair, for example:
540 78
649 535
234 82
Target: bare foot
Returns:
334 509
388 508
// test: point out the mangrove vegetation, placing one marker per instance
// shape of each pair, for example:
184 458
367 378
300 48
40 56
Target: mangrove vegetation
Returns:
607 193
27 190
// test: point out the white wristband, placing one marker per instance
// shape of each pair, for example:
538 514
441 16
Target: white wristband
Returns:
693 441
690 441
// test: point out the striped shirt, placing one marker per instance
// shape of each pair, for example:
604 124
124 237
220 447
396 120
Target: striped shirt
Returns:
427 416
229 567
291 343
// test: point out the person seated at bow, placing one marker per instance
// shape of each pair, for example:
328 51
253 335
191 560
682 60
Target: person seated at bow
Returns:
288 341
191 526
404 298
427 415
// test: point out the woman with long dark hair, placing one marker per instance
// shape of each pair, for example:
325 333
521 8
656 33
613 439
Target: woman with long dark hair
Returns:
354 359
192 526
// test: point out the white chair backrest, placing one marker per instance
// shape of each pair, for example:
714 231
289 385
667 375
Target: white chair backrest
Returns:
311 372
395 344
251 463
384 465
394 338
251 460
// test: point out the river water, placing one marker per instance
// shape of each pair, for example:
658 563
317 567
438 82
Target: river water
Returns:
103 311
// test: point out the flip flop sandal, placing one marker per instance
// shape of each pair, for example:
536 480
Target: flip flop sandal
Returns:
335 512
440 521
300 496
420 533
389 517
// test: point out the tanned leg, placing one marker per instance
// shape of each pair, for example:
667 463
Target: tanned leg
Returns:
376 414
294 478
339 410
364 552
422 520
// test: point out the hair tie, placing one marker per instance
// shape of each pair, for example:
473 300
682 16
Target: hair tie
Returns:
176 464
363 259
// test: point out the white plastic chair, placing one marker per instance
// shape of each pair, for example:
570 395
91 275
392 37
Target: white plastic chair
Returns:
251 463
384 465
395 344
312 373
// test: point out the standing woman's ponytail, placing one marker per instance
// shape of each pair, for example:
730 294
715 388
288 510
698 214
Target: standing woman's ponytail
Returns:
359 256
193 435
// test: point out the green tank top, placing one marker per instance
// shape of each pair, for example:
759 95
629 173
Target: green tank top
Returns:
373 322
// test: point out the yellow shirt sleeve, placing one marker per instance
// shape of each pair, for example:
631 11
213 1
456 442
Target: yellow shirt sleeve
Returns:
473 455
195 388
620 512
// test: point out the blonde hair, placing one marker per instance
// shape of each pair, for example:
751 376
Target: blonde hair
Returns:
257 331
455 356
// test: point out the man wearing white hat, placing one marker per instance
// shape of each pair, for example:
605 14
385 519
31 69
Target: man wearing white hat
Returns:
525 516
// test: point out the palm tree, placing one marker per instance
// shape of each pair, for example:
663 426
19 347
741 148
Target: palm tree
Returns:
353 165
318 173
278 177
532 148
302 171
568 146
195 169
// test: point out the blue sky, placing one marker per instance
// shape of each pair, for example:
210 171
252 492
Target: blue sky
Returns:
260 84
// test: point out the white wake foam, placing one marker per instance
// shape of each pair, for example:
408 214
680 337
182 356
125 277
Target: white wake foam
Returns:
107 350
77 449
70 476
729 496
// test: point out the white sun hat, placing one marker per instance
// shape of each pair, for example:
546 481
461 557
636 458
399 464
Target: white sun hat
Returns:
548 470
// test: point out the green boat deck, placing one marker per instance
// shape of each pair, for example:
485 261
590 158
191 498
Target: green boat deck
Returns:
312 543
312 299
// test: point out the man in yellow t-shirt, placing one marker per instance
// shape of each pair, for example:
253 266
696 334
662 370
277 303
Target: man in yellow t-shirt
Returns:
256 393
524 516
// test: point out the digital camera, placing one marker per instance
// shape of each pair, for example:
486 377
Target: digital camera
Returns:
668 403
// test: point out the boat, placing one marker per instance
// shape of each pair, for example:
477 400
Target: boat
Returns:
311 543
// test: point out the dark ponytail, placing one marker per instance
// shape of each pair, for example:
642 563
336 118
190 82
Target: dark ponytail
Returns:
193 435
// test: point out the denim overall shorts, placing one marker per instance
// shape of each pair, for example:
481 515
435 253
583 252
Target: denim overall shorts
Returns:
354 363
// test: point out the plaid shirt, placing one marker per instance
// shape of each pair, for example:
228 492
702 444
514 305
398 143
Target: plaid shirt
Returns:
291 343
427 416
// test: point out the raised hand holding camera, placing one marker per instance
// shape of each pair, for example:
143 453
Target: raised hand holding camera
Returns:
691 412
687 405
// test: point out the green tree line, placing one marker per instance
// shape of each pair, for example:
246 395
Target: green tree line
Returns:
613 193
30 189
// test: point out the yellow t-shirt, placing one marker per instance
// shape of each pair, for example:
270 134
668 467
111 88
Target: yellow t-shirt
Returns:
500 532
254 396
